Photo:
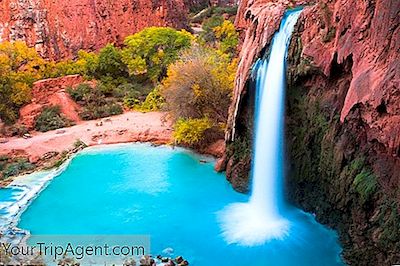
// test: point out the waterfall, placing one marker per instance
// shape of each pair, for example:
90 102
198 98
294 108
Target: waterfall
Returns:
263 217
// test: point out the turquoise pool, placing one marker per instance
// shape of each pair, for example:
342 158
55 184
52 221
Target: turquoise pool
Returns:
174 196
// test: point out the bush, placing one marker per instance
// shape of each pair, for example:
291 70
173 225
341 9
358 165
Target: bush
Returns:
130 102
200 85
94 101
153 102
17 130
227 37
105 109
208 25
80 92
191 131
365 184
230 10
63 68
17 168
51 118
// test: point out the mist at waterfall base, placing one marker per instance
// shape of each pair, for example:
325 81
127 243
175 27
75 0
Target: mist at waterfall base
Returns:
266 218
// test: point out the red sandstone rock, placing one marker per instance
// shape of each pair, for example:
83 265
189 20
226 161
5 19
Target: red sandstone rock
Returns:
216 149
58 29
51 92
350 51
260 20
367 33
220 165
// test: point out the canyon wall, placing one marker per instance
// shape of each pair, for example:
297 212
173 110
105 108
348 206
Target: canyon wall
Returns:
343 117
58 29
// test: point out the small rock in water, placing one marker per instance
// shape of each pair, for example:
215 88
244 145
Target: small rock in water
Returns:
170 263
179 259
129 262
147 260
184 263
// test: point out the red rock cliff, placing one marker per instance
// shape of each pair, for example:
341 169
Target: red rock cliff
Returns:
343 117
58 29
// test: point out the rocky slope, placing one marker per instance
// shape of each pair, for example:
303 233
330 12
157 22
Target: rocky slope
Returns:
51 92
343 112
58 29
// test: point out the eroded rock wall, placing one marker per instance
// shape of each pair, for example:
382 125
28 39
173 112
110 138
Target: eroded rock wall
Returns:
51 92
343 110
58 29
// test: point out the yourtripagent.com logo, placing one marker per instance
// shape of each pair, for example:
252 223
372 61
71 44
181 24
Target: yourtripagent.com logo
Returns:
82 249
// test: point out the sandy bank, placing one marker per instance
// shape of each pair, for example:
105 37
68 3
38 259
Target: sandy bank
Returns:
128 127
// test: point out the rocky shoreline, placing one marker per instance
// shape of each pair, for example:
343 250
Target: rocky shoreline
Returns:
50 149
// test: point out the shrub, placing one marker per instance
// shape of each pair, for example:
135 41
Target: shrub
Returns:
94 101
153 102
79 144
208 25
130 102
230 10
17 130
89 63
51 118
200 85
365 184
80 92
227 37
100 110
63 68
18 167
191 131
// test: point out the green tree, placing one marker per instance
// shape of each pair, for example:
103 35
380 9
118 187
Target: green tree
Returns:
110 63
150 51
89 62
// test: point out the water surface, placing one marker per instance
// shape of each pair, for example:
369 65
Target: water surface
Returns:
170 195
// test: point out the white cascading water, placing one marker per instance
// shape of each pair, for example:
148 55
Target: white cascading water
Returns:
262 218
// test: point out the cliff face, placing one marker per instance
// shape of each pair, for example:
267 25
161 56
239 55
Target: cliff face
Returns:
58 29
343 114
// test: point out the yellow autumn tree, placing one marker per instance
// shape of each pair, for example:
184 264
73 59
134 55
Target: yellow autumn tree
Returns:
199 86
20 66
227 37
